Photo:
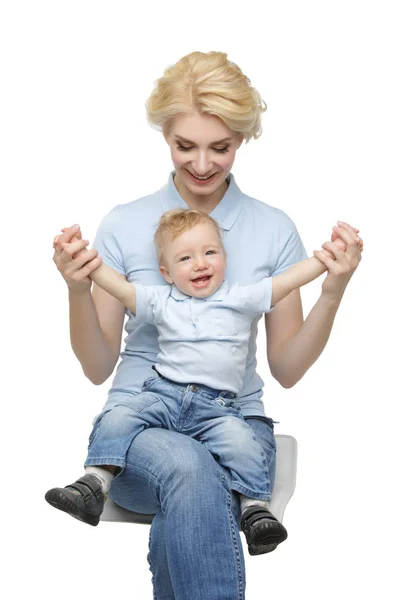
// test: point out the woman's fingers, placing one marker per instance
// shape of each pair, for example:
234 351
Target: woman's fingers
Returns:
76 262
334 250
91 265
70 250
346 246
349 236
352 230
325 257
339 243
66 237
84 257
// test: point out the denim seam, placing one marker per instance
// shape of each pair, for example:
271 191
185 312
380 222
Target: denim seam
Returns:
151 568
235 542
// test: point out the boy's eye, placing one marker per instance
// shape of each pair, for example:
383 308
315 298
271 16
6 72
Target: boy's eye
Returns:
184 258
210 252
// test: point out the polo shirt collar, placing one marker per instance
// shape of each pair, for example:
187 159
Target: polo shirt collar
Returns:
217 296
225 213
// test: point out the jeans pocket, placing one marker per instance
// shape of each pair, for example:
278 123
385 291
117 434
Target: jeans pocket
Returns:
149 382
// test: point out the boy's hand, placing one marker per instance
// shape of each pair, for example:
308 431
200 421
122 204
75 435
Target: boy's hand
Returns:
345 261
337 243
74 261
77 236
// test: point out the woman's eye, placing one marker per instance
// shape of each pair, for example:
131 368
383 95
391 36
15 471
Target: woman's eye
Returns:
187 148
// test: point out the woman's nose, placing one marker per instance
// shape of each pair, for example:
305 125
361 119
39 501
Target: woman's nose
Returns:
202 165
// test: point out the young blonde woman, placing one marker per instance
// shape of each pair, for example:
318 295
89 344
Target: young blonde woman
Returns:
206 108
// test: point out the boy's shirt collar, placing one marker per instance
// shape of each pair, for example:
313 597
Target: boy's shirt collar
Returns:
217 296
225 213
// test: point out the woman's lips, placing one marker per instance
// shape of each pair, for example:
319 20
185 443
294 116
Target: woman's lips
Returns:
200 181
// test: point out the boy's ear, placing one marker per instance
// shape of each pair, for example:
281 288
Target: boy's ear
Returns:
165 274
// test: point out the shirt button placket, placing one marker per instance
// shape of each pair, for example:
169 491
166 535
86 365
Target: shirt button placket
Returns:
195 314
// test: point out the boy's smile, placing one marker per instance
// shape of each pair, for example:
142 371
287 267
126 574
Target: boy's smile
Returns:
194 261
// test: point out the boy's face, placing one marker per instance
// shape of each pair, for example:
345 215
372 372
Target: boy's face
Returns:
194 261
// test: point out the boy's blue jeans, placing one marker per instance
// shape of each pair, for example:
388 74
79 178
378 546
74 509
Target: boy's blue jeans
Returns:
195 550
212 417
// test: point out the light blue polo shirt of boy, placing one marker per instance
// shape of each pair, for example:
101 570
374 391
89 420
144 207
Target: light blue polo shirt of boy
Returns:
203 340
260 241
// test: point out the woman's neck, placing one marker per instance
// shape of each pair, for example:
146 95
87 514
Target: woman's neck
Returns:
206 203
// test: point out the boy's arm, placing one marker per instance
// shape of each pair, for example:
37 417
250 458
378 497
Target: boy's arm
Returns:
115 284
112 282
294 277
301 273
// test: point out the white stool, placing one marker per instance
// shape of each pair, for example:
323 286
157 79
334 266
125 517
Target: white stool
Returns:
285 483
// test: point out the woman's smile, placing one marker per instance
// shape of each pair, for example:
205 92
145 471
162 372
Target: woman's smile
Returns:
201 180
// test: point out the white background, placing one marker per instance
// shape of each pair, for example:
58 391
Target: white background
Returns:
74 143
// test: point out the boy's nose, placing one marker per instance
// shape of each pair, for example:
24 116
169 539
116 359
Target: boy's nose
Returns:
200 265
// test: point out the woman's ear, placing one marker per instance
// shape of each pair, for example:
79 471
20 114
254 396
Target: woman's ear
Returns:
165 274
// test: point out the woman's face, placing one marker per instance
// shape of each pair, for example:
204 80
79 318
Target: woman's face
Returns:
203 151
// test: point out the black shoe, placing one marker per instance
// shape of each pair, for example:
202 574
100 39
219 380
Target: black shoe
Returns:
83 499
263 531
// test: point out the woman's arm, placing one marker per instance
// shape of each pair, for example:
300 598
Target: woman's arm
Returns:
293 345
96 319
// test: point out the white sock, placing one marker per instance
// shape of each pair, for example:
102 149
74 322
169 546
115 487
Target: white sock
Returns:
246 502
104 475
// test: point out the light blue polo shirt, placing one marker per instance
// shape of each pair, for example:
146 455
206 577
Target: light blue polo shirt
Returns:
203 340
260 241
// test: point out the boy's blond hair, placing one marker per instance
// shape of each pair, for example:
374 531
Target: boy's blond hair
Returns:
210 84
175 222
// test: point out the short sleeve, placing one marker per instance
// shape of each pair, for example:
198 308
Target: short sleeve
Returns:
107 242
148 303
291 248
254 299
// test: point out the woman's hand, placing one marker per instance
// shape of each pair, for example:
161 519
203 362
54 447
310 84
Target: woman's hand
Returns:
74 262
341 256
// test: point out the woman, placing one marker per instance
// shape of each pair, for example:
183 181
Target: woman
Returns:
205 107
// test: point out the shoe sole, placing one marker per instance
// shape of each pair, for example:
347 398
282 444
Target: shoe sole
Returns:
57 499
265 540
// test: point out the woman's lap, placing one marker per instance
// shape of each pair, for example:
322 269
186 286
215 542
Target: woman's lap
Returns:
195 551
156 453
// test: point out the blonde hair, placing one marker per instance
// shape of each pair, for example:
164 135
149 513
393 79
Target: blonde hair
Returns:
175 222
210 84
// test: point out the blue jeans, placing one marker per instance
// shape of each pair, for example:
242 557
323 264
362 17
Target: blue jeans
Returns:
195 550
212 417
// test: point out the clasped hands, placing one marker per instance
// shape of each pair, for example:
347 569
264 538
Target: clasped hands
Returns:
341 256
